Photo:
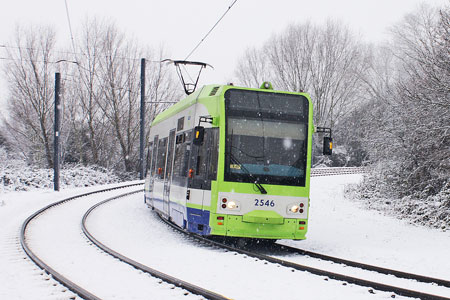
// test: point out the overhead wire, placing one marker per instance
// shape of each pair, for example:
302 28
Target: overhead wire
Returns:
78 53
70 28
206 35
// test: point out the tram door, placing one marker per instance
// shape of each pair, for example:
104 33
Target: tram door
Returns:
168 175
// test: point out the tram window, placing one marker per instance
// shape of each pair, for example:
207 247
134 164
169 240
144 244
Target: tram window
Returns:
161 161
178 162
170 153
180 124
214 153
182 150
149 157
185 164
202 161
180 138
155 149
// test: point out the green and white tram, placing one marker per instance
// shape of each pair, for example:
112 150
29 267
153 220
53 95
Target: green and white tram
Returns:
233 161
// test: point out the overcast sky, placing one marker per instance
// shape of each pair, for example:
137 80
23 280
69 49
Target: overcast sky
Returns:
180 24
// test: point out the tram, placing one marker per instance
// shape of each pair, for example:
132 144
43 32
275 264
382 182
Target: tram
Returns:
234 161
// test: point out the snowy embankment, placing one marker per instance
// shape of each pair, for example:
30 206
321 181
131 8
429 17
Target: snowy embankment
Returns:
421 209
17 176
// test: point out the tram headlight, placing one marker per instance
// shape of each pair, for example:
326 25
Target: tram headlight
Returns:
231 205
294 208
228 204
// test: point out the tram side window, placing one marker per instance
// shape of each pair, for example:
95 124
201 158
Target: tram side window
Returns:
185 164
214 153
186 153
149 158
155 149
180 149
161 159
208 155
202 158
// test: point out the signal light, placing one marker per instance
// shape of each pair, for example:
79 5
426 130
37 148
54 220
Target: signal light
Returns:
301 228
220 218
224 200
301 211
224 205
159 171
327 145
191 173
301 204
219 223
302 222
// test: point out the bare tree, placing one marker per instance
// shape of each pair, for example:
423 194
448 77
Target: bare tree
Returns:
30 103
252 68
323 60
92 126
105 126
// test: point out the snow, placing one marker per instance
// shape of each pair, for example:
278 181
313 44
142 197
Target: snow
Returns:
338 227
16 175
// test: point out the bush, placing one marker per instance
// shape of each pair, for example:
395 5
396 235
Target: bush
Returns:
18 176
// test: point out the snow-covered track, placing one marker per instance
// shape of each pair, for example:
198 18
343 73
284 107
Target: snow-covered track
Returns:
40 263
153 272
320 272
337 171
396 273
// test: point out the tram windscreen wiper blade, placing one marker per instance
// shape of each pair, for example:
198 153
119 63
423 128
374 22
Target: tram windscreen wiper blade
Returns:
259 186
255 181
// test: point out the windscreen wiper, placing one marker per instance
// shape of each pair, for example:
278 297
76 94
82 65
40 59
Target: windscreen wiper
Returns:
246 171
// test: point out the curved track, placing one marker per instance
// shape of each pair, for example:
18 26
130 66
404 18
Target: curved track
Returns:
398 274
251 252
349 279
328 274
170 279
79 289
40 263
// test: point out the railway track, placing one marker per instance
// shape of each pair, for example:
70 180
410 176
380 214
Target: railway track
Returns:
72 284
153 272
84 293
327 274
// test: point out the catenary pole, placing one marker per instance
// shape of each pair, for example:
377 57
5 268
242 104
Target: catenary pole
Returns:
142 133
56 154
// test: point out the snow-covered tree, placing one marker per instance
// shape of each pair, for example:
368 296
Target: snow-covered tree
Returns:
407 121
30 77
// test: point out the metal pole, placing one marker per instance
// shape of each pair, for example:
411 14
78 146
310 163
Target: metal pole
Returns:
142 134
56 154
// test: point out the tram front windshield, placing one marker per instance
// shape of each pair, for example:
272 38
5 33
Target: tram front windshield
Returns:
266 137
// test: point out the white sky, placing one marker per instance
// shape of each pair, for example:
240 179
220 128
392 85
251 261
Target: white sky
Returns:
179 24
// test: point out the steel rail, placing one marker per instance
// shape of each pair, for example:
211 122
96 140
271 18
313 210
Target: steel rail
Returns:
167 278
336 276
41 264
386 271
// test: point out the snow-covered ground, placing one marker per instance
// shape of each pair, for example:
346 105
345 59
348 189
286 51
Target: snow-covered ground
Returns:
337 227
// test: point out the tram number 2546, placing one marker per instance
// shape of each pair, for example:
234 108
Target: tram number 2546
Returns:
262 202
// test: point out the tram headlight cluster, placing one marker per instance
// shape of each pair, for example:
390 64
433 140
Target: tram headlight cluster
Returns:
294 208
230 204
